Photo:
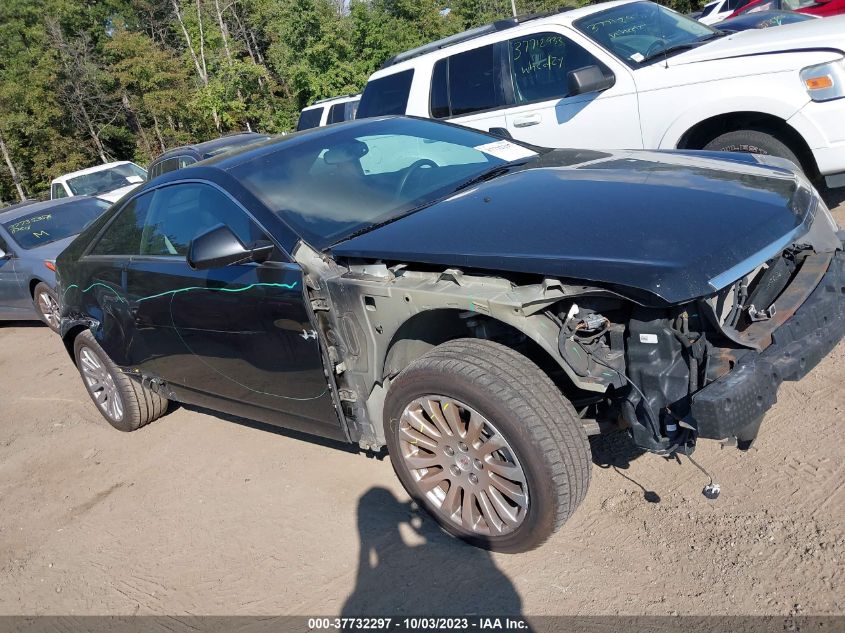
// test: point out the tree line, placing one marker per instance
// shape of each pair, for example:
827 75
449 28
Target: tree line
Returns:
88 81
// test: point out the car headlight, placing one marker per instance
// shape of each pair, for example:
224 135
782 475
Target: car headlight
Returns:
824 82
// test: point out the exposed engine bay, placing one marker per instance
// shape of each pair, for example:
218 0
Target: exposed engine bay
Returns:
623 363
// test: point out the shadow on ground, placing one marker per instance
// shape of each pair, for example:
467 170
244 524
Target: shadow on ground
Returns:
616 451
436 575
833 197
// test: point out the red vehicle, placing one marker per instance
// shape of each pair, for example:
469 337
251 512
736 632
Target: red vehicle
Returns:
820 8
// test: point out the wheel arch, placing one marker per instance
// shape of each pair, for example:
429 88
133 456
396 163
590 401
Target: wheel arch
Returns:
697 135
425 330
69 337
34 282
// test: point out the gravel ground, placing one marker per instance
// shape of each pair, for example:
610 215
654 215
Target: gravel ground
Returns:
195 514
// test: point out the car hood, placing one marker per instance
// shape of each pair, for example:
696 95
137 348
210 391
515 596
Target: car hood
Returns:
117 194
669 224
812 35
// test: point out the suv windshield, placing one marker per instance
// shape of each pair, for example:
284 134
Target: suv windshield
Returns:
45 227
107 179
643 31
331 184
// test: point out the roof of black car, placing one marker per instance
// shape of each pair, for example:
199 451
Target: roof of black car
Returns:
209 148
18 210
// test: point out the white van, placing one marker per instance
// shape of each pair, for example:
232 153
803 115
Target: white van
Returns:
327 111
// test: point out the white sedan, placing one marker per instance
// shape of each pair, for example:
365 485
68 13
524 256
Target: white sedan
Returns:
109 182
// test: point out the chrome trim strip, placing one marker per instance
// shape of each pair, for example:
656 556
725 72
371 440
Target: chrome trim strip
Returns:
744 267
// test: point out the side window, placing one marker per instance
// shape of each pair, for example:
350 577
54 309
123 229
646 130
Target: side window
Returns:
178 213
351 109
153 171
171 164
336 113
184 161
59 191
123 235
309 119
386 95
541 62
475 80
440 90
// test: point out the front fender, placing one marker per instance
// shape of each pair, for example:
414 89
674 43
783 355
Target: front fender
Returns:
671 135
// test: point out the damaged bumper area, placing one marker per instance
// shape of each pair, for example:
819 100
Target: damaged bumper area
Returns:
733 406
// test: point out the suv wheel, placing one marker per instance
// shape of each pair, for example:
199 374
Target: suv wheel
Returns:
482 439
752 142
124 402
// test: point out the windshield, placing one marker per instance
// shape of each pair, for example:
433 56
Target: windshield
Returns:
51 225
328 185
643 31
107 179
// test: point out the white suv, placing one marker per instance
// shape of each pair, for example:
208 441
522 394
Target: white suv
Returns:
327 111
633 74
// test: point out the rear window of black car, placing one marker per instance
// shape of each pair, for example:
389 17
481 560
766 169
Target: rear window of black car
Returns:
44 227
387 95
309 119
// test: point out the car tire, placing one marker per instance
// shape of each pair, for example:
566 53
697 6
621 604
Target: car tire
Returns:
124 402
46 305
528 432
752 142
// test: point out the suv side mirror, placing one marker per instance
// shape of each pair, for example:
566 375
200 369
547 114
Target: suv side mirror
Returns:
588 79
4 255
501 132
219 247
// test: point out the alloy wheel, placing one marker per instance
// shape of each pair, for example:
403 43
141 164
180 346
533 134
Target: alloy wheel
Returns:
49 309
463 466
100 384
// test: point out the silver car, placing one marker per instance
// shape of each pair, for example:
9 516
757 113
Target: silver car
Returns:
31 237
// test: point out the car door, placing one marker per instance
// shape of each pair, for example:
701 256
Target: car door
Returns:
467 88
238 338
543 113
14 300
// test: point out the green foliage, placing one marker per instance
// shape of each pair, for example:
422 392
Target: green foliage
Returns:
124 79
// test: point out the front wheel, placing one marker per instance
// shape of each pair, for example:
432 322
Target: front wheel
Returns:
752 142
483 439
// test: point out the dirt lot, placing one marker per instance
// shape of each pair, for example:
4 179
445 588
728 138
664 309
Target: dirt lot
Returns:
198 515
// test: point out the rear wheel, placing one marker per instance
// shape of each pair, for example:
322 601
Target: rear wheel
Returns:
482 439
46 305
752 142
124 402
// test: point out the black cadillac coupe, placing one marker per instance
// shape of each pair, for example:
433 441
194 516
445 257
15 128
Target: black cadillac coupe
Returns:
476 305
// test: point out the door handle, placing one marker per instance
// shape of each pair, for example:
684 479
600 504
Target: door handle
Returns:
527 121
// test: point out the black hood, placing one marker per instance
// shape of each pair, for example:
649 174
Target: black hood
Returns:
672 224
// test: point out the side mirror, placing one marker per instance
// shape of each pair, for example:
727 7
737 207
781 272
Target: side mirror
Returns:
4 255
219 247
501 132
588 79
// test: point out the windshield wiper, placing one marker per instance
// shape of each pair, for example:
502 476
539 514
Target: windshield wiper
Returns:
490 174
681 47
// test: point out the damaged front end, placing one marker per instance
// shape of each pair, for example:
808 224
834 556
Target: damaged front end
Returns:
711 368
669 374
